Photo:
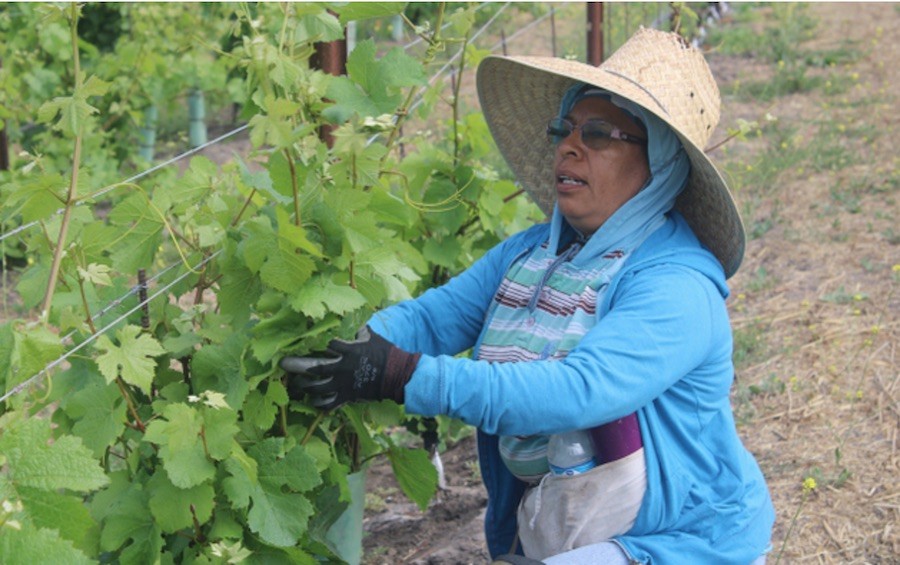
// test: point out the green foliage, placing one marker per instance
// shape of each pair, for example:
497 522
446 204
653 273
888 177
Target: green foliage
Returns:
173 438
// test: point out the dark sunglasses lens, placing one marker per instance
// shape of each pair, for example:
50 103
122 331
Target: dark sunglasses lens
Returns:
557 130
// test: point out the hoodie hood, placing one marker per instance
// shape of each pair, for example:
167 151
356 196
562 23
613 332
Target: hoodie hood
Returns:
645 212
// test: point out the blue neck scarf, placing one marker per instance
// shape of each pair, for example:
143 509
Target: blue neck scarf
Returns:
627 228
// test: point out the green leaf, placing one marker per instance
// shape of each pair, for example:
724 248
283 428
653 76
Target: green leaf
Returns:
96 273
446 252
34 462
133 356
65 513
415 474
280 517
32 349
218 367
125 513
274 127
220 428
285 270
181 445
367 10
172 506
29 544
321 295
99 413
36 198
276 333
139 234
321 26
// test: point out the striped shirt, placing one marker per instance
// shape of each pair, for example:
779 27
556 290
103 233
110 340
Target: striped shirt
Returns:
542 309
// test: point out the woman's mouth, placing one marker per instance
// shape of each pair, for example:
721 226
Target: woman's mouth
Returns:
567 182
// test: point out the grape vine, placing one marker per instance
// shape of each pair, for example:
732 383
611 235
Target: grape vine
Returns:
168 434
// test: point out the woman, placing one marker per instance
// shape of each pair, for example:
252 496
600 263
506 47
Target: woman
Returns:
611 318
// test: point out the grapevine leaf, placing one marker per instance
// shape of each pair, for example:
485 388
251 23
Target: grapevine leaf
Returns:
385 413
238 288
33 462
259 411
321 26
181 445
36 198
139 234
219 427
349 99
29 544
64 513
171 506
96 273
274 127
415 474
295 236
285 270
134 356
243 471
33 348
280 517
124 511
218 367
355 414
366 10
99 413
274 334
445 252
321 295
178 346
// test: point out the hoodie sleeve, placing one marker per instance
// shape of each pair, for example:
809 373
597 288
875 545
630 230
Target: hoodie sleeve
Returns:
448 320
665 322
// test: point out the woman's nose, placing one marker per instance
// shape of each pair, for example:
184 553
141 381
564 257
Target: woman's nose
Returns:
571 144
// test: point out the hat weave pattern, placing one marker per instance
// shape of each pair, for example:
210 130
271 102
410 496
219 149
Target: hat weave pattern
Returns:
658 71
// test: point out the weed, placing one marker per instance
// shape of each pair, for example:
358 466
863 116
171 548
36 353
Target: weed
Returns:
762 280
845 54
771 386
809 486
749 346
891 236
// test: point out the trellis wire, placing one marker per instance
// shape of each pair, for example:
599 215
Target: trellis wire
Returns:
136 177
199 148
136 288
23 385
116 302
52 365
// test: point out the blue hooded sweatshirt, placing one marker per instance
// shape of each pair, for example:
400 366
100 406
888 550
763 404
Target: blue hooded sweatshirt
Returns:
662 347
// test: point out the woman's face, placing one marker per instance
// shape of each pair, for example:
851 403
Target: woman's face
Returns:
591 184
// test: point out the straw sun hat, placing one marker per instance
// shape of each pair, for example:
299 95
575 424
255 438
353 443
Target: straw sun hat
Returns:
658 71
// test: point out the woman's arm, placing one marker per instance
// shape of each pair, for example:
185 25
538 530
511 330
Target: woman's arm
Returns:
664 324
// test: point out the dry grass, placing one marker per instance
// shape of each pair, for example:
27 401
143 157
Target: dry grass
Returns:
815 304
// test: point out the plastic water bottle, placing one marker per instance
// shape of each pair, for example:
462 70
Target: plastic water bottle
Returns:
571 453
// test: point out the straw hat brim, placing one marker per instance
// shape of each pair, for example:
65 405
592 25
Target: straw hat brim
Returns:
519 95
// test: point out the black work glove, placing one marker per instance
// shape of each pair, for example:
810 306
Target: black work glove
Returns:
368 368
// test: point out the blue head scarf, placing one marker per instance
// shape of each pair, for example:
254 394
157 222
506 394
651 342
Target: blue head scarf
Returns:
669 170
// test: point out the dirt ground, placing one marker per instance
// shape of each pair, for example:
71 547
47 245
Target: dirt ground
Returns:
814 308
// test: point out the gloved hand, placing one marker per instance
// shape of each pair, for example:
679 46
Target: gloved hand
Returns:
368 368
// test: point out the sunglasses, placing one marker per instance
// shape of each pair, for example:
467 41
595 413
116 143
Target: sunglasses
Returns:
594 133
